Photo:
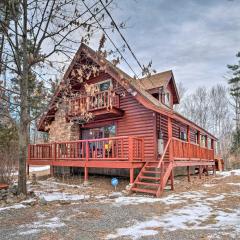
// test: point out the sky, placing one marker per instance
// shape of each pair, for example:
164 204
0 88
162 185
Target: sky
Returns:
194 38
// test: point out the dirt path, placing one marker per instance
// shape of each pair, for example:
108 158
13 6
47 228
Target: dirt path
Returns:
204 209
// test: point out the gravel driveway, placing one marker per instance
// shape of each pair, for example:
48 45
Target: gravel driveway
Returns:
205 209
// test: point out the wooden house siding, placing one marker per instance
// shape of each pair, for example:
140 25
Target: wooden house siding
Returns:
138 121
162 122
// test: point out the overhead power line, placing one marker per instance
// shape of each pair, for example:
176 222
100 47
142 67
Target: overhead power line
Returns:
94 16
116 26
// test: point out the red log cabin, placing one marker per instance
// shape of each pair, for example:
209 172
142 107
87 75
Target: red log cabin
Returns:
127 124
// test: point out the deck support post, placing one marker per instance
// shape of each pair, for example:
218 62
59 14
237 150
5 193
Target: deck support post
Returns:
85 174
172 180
131 170
188 173
200 172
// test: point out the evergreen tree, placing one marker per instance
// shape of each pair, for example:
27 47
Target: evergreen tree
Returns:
234 83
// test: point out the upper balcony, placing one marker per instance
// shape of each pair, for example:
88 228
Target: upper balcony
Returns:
104 104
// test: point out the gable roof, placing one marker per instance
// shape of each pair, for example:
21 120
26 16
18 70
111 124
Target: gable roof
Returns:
133 86
162 79
157 80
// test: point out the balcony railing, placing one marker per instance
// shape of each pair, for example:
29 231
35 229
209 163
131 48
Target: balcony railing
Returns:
101 100
112 149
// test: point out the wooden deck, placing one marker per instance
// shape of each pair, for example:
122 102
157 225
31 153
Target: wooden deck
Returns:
124 152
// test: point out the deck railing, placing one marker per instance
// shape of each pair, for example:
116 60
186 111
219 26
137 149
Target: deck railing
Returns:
186 150
114 148
101 100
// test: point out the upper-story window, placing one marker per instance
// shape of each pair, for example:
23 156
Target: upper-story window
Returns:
167 98
104 85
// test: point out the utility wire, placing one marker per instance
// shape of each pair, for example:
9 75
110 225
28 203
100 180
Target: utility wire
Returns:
115 25
109 38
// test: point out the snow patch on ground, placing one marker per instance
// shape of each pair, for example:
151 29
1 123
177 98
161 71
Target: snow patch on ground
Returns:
180 218
30 200
185 218
41 225
216 198
229 219
39 168
234 184
15 206
140 229
168 200
235 172
58 196
209 185
52 183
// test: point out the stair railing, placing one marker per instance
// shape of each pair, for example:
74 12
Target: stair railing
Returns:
164 153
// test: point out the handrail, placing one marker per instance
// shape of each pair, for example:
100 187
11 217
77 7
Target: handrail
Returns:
164 152
101 100
188 150
113 148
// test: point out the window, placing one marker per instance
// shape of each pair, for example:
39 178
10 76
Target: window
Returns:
203 141
104 85
196 137
101 132
167 97
182 134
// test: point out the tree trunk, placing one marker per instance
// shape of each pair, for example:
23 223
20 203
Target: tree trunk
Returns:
23 142
24 115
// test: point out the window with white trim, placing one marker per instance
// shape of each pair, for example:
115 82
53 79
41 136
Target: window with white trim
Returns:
167 98
104 85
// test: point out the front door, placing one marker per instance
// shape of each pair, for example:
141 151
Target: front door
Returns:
98 148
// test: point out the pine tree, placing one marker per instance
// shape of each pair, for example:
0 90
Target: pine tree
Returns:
234 83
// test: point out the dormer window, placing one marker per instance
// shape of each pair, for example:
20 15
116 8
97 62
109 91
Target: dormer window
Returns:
167 98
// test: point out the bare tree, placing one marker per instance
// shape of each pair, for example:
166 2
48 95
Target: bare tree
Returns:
40 35
181 92
210 109
196 107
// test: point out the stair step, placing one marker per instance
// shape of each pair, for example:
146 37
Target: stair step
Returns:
155 167
147 184
150 178
154 172
152 164
144 190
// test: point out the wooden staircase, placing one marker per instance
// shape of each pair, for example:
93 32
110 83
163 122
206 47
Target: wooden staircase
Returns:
153 177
